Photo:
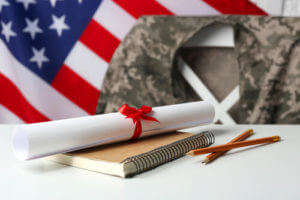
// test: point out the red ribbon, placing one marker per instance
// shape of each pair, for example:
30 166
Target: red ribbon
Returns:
136 115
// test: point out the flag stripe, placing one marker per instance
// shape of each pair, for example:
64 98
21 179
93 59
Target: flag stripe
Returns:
38 93
146 7
13 100
190 8
114 19
8 117
76 89
236 7
253 9
92 68
99 40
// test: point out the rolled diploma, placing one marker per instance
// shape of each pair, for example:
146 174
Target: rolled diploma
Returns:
48 138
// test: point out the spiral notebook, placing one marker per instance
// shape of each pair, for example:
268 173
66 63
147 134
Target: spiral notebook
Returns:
129 158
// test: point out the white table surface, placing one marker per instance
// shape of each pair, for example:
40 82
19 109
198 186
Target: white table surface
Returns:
265 172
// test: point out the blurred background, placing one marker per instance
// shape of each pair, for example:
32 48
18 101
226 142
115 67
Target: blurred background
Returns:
54 54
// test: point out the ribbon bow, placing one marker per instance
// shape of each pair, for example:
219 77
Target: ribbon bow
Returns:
136 115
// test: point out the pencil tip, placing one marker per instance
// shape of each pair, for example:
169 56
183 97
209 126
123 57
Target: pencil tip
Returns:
250 131
276 138
190 153
205 161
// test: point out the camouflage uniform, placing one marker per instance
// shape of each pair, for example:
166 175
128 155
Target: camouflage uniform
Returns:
269 70
143 69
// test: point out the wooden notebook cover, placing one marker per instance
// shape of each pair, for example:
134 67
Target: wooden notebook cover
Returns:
120 151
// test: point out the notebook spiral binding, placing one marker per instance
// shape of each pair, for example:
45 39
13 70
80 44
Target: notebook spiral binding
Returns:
167 153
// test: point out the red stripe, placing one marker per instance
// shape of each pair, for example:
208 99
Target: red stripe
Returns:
13 100
99 40
240 7
143 7
75 88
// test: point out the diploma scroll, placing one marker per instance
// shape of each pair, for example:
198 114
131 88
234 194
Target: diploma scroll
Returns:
38 140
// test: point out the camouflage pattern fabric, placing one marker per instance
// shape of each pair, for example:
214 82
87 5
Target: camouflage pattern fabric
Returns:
268 56
143 69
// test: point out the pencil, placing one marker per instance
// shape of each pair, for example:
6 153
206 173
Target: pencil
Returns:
226 147
215 155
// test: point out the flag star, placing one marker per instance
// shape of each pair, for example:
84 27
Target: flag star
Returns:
32 27
26 3
59 24
3 3
6 30
39 57
53 2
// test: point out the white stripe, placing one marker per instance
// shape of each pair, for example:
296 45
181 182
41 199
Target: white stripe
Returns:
114 18
272 7
7 117
225 118
38 92
197 85
200 88
231 98
87 65
189 7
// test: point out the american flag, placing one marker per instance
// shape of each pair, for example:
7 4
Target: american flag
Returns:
54 53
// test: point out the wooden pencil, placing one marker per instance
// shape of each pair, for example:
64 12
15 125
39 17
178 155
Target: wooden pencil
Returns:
226 147
215 155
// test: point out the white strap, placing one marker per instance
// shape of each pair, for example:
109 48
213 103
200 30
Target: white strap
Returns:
205 94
